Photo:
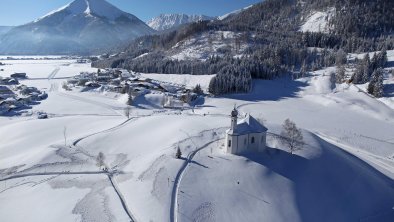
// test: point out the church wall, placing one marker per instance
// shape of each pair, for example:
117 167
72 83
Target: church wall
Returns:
254 146
243 142
263 142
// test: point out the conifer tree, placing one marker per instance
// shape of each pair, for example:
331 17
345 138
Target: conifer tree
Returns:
178 153
378 86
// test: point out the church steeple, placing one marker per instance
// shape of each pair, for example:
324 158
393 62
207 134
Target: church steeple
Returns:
234 116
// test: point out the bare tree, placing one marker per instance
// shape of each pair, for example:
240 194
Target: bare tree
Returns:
333 80
129 98
65 135
127 111
100 160
340 74
291 136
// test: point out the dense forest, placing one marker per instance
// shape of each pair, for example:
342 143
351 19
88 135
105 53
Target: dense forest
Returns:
276 47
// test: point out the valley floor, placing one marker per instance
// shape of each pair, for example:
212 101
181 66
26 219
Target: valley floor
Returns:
49 172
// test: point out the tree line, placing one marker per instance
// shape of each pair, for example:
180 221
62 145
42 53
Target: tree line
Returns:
275 45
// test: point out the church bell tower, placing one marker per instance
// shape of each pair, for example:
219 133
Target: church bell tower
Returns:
234 116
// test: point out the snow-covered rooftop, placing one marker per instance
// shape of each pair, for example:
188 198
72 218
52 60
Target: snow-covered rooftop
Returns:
248 125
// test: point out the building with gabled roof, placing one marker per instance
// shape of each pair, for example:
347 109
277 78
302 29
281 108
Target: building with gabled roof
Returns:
246 135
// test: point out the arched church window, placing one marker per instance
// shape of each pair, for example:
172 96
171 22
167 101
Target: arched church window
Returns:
252 139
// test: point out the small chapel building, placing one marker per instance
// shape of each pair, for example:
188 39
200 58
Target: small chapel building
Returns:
247 135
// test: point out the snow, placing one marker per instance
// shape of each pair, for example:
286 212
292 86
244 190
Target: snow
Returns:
37 194
205 45
88 7
318 21
233 13
168 21
190 81
283 189
344 172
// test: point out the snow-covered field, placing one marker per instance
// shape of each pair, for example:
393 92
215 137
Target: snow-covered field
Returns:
190 81
48 168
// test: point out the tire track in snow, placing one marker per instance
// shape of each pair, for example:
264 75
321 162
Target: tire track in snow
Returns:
53 73
365 155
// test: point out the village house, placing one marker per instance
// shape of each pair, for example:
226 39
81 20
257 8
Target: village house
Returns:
247 135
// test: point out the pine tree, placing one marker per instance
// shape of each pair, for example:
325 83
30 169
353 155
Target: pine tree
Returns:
366 68
378 86
376 81
357 77
371 86
197 89
383 57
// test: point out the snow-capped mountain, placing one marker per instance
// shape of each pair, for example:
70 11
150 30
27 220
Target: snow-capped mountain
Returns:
82 26
5 29
168 21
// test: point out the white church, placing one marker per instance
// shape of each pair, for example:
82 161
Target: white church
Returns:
247 135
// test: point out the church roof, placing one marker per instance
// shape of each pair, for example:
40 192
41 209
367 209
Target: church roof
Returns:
248 125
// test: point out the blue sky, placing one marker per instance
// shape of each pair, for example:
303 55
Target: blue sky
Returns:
17 12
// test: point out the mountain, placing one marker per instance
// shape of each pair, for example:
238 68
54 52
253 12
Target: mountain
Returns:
81 27
169 21
5 29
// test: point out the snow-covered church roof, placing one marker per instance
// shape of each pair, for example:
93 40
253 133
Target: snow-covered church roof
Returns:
248 125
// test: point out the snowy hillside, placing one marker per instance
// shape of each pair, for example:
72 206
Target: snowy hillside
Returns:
344 172
189 81
222 17
169 21
205 45
318 21
82 26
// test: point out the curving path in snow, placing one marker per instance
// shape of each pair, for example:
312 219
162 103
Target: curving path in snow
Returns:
178 180
121 197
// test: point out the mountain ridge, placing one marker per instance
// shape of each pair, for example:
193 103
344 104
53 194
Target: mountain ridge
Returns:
80 27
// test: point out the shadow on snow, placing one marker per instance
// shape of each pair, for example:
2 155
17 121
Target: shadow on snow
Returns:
334 186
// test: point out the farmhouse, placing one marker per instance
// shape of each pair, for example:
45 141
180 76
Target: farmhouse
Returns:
247 135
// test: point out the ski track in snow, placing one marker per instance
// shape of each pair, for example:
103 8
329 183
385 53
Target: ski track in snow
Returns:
108 173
